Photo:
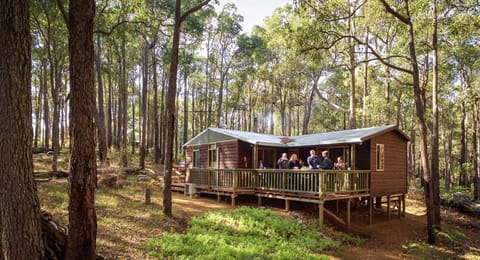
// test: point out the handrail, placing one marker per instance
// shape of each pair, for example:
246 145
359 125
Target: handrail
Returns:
320 182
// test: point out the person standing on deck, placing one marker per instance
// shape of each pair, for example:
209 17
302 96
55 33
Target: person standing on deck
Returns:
283 162
313 161
326 163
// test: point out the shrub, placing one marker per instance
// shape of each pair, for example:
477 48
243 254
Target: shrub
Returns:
244 233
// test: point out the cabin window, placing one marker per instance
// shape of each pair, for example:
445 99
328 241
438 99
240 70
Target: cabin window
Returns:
380 157
196 157
212 156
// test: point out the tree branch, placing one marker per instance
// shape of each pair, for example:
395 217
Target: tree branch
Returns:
63 12
193 9
400 17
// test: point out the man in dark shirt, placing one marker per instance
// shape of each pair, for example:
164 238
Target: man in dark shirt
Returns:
326 163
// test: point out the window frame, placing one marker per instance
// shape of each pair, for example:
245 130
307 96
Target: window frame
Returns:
196 157
380 157
212 156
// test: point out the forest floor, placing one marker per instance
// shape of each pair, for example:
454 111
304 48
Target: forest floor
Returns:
125 224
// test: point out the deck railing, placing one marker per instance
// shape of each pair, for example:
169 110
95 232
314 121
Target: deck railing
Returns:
300 181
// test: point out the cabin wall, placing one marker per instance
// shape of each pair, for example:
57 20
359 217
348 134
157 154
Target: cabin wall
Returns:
227 154
393 179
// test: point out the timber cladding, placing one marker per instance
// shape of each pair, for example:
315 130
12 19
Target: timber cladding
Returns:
226 152
393 178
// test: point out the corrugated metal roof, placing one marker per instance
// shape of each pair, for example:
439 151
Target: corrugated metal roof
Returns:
213 135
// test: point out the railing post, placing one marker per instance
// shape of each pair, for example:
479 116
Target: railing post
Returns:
234 180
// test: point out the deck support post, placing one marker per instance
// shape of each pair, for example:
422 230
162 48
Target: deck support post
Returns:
233 200
321 205
370 210
259 201
218 197
403 205
388 207
287 205
348 213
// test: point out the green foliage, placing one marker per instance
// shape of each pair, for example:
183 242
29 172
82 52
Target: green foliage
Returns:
449 239
244 233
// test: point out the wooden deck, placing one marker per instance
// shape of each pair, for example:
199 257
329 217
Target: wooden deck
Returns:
308 184
313 186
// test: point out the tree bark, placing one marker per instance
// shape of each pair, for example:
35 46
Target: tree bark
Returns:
100 115
143 111
435 146
20 217
476 181
420 113
46 109
82 217
156 135
170 103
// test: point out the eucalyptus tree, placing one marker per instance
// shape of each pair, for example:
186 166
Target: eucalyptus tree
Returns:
333 23
226 30
152 17
280 70
464 53
82 224
246 90
20 219
180 17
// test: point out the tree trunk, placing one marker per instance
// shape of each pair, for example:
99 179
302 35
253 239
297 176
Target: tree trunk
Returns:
20 217
170 103
100 115
56 77
170 113
435 146
110 123
144 105
420 113
476 181
156 135
124 102
463 145
37 118
82 225
46 109
132 135
162 123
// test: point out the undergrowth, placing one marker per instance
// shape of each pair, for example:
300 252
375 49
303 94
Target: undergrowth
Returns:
244 233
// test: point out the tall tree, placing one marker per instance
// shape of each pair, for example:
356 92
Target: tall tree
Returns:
406 19
19 205
82 219
100 115
170 102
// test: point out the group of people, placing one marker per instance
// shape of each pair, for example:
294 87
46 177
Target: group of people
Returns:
313 162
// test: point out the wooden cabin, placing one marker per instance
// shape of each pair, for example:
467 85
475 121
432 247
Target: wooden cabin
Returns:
225 162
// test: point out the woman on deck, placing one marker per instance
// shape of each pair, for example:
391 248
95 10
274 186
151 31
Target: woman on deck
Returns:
294 163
